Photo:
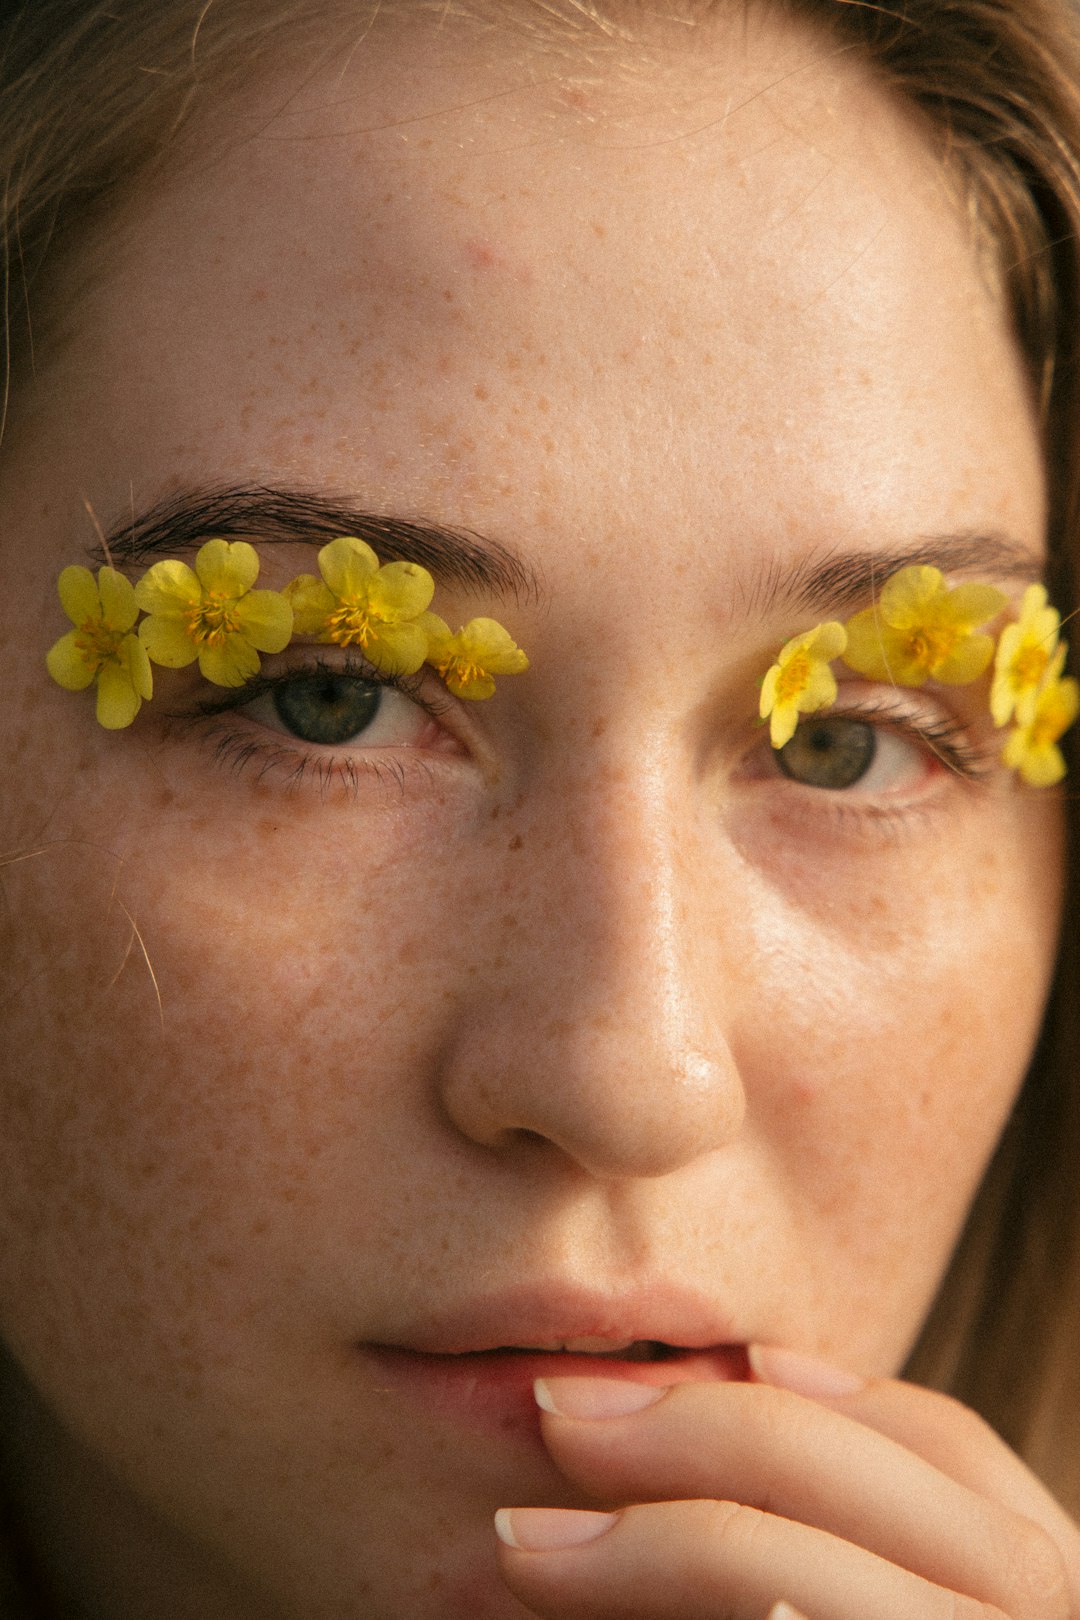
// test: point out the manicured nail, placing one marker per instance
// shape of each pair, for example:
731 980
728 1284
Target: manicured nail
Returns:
549 1529
790 1369
784 1611
595 1397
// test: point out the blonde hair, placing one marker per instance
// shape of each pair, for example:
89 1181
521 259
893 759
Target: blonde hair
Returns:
95 95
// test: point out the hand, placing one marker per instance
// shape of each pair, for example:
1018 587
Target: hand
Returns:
878 1501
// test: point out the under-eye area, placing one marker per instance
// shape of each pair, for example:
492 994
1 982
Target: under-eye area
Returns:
331 720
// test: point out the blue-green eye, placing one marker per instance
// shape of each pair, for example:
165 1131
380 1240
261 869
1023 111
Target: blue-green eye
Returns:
829 753
328 708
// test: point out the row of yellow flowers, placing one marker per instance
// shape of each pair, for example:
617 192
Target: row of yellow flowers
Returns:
919 630
214 614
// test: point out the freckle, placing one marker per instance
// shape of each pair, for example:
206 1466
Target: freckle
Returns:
480 392
259 295
516 842
543 403
598 729
496 811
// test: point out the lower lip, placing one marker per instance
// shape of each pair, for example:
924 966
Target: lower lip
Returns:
492 1390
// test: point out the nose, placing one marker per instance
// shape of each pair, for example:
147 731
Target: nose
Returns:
601 1030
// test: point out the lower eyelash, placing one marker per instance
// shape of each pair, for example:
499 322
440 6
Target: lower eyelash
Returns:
296 772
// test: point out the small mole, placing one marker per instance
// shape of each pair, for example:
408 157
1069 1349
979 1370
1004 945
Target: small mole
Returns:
516 842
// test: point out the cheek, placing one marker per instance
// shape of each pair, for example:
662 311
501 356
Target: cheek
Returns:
219 1057
904 997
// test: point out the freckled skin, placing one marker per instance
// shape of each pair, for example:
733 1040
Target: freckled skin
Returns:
421 1034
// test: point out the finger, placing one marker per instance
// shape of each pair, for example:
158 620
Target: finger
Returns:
937 1428
707 1561
778 1452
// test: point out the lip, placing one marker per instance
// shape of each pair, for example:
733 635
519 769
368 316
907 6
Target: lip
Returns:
464 1364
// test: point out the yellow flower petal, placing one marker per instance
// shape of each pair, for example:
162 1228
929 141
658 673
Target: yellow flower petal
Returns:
229 567
467 661
79 595
347 565
311 601
906 594
970 660
231 663
1027 658
167 641
1031 749
118 605
488 643
783 721
801 682
397 649
266 620
170 588
401 590
117 700
866 648
139 671
974 604
67 666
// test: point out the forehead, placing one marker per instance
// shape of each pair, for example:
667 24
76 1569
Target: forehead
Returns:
720 254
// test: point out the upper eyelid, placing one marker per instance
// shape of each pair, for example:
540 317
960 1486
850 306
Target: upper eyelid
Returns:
416 688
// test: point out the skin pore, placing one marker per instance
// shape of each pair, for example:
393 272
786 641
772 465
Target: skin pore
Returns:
568 1006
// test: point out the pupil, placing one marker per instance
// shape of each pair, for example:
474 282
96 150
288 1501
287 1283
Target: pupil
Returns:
829 753
327 708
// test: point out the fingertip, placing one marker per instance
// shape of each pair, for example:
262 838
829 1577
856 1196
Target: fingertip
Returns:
802 1374
550 1529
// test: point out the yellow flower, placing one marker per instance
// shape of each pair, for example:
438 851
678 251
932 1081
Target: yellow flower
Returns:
101 647
920 630
801 681
1031 747
212 613
357 603
467 661
1025 653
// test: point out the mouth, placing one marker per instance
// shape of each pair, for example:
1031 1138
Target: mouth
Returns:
491 1390
632 1350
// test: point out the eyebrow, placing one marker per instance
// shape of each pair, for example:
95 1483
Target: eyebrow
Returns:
843 579
183 521
473 562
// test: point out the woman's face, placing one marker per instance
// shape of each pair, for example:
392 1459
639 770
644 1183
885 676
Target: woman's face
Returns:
561 1016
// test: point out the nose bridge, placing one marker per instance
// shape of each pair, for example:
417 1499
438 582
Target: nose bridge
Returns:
601 1035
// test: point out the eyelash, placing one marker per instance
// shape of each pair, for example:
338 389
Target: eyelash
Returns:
305 764
301 765
944 736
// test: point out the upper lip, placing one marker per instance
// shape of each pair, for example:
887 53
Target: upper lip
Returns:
524 1317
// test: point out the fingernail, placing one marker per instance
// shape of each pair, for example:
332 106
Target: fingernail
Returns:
805 1375
548 1529
595 1397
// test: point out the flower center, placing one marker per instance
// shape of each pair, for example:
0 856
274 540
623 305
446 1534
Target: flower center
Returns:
463 671
1029 665
98 643
793 677
351 624
932 647
213 620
